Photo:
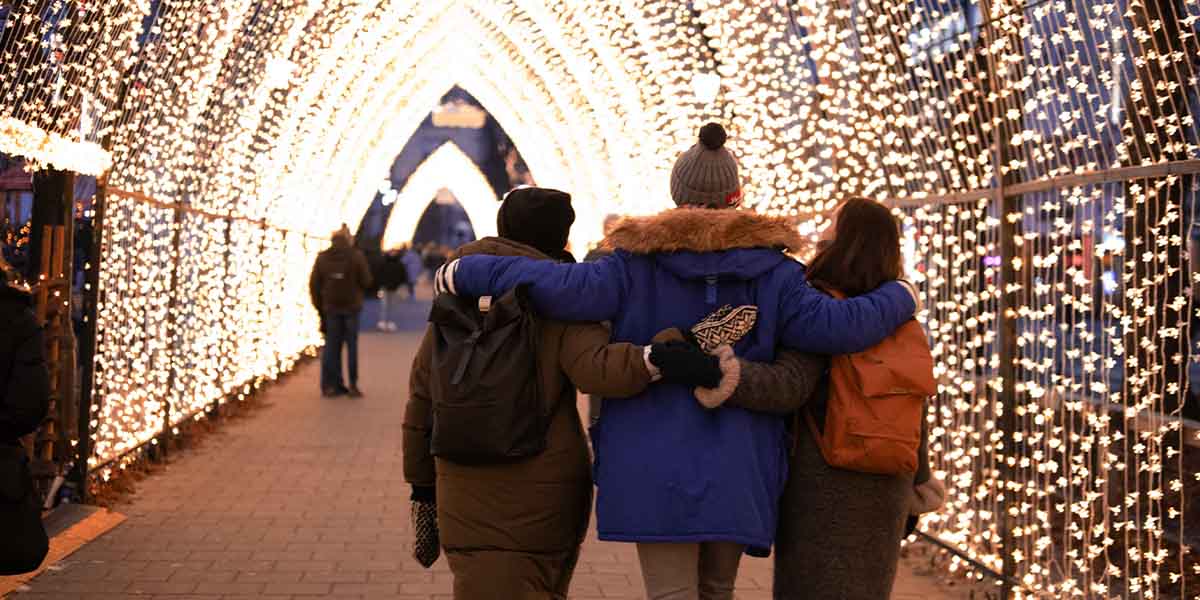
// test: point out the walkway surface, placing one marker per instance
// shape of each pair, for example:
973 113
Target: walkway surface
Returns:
306 498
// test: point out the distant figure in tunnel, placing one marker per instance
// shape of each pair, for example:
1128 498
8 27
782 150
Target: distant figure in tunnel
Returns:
340 277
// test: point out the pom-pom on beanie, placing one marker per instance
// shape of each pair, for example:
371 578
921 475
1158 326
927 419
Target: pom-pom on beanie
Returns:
706 175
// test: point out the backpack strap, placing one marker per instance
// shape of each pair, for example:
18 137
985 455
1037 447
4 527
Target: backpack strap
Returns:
461 370
813 428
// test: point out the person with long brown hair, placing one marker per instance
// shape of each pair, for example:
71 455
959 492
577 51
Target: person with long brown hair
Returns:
839 531
860 251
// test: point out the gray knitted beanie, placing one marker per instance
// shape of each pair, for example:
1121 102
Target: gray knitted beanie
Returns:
706 175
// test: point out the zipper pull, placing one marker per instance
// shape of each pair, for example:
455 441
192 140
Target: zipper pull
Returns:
710 293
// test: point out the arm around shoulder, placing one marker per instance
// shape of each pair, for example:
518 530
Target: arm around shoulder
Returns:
816 322
780 387
556 289
595 366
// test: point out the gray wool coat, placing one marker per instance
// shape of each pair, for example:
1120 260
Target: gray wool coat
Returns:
839 531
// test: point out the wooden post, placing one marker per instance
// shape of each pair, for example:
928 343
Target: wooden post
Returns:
53 228
88 340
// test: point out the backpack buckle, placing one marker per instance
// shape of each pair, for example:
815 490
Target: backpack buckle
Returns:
485 304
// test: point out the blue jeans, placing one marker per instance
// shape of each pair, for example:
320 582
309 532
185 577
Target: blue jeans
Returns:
340 329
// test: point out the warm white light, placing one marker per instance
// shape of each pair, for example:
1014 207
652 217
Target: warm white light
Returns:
279 73
446 176
706 86
273 131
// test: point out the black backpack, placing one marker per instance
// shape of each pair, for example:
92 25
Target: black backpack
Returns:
486 385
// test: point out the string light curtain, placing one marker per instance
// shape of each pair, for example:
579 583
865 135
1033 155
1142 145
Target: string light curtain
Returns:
1043 158
1042 155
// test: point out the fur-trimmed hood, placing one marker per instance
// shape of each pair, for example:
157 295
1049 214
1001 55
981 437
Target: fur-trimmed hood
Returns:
703 230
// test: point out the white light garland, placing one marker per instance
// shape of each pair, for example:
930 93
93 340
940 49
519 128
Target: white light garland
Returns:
242 137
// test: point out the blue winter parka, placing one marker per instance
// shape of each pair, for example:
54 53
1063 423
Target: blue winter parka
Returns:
667 469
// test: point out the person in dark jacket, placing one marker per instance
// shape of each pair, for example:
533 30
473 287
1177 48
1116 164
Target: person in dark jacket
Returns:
340 277
514 530
25 382
24 400
839 530
667 471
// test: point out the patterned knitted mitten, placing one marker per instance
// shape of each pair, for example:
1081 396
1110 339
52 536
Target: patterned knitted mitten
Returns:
426 546
726 325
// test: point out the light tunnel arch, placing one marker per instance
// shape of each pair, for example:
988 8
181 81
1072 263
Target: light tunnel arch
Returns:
450 168
519 112
513 106
483 66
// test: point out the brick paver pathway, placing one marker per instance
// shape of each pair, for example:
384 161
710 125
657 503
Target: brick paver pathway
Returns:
306 498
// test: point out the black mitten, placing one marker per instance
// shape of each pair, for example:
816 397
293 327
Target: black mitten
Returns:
684 363
426 545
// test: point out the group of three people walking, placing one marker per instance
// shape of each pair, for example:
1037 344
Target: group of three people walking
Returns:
699 458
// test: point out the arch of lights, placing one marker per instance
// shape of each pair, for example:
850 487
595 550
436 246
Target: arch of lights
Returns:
449 168
1051 142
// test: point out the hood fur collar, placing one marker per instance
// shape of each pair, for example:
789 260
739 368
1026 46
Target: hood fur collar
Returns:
704 230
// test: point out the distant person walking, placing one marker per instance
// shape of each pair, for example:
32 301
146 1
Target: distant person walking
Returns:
412 265
340 278
24 400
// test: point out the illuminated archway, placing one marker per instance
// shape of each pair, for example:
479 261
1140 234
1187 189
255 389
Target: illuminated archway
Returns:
450 168
571 142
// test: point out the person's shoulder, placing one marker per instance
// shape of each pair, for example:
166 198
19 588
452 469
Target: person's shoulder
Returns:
791 276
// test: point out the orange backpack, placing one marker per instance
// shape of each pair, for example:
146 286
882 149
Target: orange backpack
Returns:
876 403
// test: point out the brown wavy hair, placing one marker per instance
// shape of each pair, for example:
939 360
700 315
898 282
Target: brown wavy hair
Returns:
865 251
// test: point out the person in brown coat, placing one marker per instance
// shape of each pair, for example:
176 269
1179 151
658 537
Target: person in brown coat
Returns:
340 277
514 530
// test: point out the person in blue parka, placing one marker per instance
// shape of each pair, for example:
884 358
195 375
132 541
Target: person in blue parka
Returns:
693 488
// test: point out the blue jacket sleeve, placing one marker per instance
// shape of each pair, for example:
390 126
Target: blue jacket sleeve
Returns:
815 322
591 291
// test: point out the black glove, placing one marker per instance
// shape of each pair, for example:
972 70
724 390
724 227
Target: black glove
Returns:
684 363
690 337
426 543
